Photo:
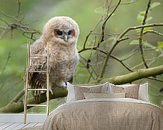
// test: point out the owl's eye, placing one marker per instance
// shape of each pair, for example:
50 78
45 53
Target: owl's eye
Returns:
58 32
70 32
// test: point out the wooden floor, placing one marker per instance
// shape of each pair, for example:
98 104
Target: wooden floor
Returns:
17 126
16 121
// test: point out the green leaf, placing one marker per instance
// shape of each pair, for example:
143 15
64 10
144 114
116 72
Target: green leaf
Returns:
142 13
160 44
149 18
154 4
134 42
140 16
148 28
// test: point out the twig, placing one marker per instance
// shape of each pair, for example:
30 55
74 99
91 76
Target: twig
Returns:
141 34
122 39
129 69
19 7
88 67
17 24
159 80
6 63
105 21
131 53
86 39
115 58
4 68
9 16
153 31
121 36
18 96
4 32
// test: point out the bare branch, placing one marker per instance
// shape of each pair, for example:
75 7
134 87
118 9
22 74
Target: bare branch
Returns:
156 79
115 58
129 69
86 39
154 32
131 53
105 21
17 24
18 96
141 34
19 7
4 68
121 36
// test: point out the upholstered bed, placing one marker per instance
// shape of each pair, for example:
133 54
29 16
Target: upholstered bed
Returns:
104 113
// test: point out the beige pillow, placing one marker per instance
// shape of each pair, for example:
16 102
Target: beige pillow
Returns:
77 92
131 90
143 92
104 95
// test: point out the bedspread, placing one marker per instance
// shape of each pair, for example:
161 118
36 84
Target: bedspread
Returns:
105 114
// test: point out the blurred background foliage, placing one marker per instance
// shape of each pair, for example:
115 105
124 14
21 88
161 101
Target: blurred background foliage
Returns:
87 13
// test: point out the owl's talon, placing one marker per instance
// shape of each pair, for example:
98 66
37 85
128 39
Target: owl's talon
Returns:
61 84
65 84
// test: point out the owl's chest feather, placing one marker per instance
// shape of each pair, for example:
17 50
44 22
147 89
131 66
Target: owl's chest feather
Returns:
63 56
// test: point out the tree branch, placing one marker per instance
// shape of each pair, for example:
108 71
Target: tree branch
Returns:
105 21
133 76
141 34
16 107
120 37
112 56
154 32
18 96
62 92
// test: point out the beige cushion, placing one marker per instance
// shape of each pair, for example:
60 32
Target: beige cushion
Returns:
143 92
131 90
77 92
104 95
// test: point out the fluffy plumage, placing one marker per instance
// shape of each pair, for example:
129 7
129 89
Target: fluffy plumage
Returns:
60 34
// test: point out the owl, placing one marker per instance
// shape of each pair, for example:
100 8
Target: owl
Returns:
59 39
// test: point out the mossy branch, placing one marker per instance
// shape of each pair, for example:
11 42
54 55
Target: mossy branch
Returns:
133 76
15 107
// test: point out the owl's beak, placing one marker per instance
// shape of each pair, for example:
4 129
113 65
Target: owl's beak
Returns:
65 38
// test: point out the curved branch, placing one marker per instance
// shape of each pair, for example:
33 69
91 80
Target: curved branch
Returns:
16 107
120 37
154 32
104 23
141 34
62 92
112 56
133 76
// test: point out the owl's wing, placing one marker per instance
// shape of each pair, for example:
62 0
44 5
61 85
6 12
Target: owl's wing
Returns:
37 79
